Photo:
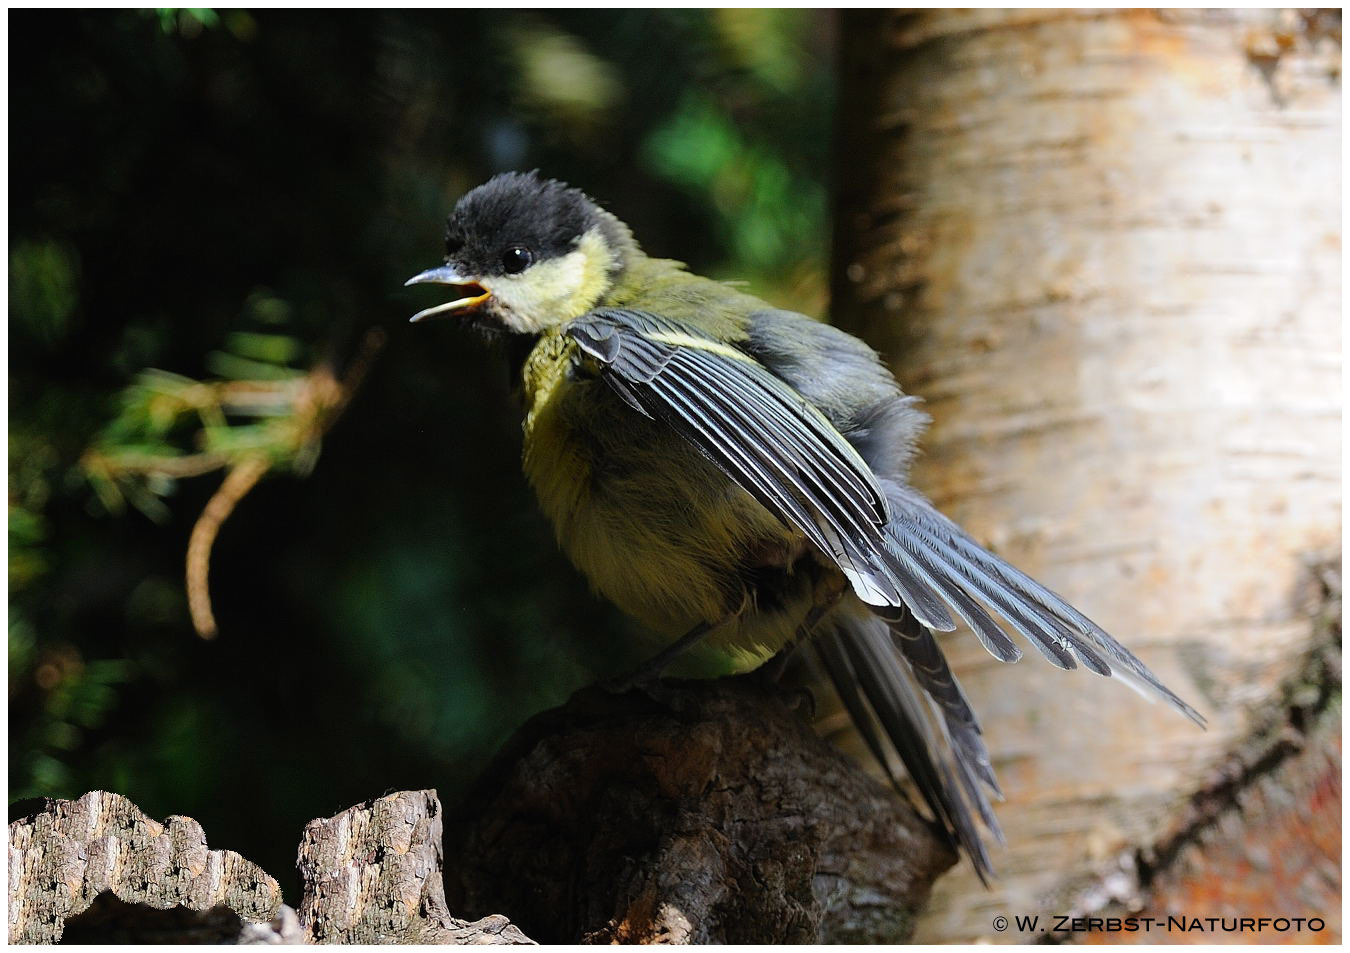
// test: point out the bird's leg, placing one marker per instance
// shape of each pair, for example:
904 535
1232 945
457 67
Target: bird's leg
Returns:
655 666
773 669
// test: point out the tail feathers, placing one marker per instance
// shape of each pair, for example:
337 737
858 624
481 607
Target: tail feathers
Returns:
937 551
835 657
935 736
893 679
929 666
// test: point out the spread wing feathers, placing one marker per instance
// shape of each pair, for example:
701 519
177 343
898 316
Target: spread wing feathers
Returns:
896 550
767 438
954 562
858 654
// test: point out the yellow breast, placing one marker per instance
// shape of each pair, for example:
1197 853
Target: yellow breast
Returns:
655 527
556 463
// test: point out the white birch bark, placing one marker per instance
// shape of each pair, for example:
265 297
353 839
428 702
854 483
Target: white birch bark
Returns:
1105 247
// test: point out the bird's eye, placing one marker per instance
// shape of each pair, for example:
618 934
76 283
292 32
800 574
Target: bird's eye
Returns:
516 259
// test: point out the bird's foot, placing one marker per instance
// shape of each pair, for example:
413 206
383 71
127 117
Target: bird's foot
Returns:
644 676
651 670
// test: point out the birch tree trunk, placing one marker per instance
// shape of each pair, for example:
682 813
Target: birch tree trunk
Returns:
1105 247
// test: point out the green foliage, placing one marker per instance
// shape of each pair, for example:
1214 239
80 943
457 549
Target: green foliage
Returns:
561 83
186 22
80 697
767 216
169 427
211 209
42 288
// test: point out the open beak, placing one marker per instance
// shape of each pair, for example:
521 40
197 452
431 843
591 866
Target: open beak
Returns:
472 294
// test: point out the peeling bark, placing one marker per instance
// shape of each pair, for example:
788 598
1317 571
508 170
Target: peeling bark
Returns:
373 874
1262 834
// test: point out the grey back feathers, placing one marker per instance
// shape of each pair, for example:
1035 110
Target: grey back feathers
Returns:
858 395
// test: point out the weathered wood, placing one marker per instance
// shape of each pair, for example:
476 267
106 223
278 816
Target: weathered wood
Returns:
372 874
62 858
109 874
112 921
689 812
704 811
1104 246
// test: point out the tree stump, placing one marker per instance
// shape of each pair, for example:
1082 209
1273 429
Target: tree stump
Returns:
687 812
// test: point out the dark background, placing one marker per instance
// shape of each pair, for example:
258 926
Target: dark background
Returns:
235 196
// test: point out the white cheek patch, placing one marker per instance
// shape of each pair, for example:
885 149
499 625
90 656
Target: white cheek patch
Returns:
540 295
556 290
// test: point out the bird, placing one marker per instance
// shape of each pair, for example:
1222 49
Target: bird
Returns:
735 477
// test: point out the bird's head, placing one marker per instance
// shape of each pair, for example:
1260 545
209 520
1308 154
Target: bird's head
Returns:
523 253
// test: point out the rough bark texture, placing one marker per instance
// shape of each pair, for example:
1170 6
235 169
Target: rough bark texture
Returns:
97 870
691 812
372 874
62 858
1105 247
112 921
684 812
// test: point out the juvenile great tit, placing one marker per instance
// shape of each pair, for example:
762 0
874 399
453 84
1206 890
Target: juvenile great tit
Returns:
735 475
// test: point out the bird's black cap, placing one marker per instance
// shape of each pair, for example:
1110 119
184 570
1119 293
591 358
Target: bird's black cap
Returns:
523 210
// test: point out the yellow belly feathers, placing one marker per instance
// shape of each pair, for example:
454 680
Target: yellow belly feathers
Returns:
655 527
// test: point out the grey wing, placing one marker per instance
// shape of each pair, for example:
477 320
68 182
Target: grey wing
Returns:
767 438
867 407
857 394
795 439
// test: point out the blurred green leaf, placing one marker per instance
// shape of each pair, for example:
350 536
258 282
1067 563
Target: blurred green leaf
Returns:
767 42
561 82
22 651
266 348
771 218
241 368
43 287
187 22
